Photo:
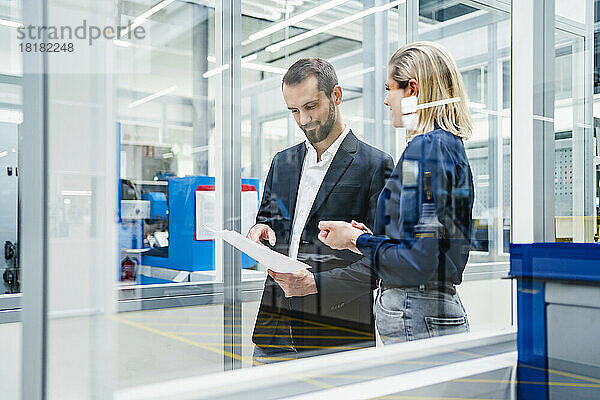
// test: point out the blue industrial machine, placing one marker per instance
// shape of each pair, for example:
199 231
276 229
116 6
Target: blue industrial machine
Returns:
158 204
558 300
185 254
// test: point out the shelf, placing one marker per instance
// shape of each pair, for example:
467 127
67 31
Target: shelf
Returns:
157 183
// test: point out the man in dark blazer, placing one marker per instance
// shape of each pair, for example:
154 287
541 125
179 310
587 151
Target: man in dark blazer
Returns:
330 176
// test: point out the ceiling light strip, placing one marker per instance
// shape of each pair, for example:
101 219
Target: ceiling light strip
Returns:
137 21
264 68
215 71
357 73
121 43
438 103
11 24
278 46
156 95
294 20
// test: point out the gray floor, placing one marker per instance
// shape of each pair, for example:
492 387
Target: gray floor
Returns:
153 345
161 345
175 343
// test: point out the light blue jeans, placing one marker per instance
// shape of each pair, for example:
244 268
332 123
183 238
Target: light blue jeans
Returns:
407 314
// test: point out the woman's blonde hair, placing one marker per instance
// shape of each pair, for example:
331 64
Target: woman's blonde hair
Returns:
438 78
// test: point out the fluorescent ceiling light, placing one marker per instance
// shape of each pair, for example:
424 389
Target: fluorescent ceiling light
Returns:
137 21
152 96
3 154
13 116
476 105
437 103
249 58
357 73
200 149
247 65
121 43
11 24
215 71
264 68
76 192
278 46
294 20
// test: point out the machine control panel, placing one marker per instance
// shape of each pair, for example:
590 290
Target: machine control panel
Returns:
135 209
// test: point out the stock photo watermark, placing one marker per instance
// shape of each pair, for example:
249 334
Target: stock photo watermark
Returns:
56 39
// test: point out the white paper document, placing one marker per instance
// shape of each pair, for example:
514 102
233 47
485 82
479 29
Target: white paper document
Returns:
270 258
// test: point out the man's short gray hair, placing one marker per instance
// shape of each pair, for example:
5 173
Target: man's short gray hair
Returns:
317 67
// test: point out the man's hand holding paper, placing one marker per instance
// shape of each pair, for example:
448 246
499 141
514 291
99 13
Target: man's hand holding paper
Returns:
270 258
300 283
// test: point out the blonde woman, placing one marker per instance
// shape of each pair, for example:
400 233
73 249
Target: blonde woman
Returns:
420 243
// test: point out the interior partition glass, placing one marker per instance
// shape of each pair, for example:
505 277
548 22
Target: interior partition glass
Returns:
575 152
165 105
357 38
132 195
11 119
478 37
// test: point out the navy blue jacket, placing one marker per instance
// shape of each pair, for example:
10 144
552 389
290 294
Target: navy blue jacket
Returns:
398 257
349 191
393 253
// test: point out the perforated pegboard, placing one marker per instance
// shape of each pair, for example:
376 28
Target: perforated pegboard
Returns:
563 178
478 158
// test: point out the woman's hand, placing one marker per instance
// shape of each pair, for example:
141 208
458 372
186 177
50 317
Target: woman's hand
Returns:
362 227
339 235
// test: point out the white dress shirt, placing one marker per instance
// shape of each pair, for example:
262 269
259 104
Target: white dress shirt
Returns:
312 176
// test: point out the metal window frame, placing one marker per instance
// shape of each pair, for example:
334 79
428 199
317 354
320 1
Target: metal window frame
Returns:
33 231
33 163
228 15
532 126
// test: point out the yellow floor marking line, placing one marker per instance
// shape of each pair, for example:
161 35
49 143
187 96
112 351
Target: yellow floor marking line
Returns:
562 373
195 324
175 337
205 347
566 384
276 346
551 371
277 358
307 380
275 318
368 334
317 383
398 397
469 353
198 324
263 335
192 320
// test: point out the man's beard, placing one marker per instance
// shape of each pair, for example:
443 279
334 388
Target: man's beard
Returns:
318 133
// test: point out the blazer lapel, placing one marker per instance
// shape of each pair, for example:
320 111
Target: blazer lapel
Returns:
295 165
340 163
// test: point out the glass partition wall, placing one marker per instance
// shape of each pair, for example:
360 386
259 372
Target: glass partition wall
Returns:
162 129
156 140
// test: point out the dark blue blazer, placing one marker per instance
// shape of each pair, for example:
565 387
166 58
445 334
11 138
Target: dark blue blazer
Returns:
349 191
395 254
